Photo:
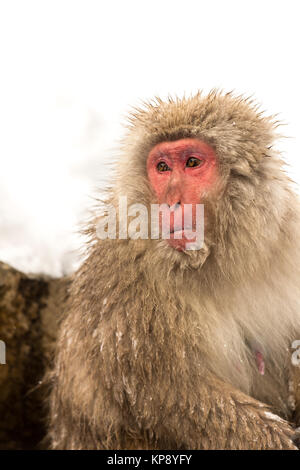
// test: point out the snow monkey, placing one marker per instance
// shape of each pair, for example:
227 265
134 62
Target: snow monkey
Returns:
164 347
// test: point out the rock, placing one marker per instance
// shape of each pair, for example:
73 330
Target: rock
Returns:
30 308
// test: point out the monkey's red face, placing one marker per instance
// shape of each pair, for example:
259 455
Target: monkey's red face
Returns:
181 172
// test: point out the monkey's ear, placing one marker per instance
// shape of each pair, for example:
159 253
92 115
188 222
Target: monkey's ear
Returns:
241 168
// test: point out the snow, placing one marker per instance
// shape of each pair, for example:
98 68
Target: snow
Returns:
273 417
70 71
119 335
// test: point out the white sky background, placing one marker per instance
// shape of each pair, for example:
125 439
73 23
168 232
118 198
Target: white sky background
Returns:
70 70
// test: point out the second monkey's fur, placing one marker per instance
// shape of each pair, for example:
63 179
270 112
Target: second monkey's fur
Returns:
157 348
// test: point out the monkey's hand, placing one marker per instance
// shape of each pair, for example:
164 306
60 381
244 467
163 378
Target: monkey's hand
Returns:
229 419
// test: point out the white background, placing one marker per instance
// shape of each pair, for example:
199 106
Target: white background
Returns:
71 70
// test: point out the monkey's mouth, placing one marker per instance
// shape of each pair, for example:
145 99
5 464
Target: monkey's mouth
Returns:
187 233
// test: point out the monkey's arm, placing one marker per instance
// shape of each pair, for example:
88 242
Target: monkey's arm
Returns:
211 415
225 418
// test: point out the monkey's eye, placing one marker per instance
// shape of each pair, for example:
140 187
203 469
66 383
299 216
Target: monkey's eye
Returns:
162 166
193 161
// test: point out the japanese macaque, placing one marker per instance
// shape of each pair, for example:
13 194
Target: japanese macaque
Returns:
164 347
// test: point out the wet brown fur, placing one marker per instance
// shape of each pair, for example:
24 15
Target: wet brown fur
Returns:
157 347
